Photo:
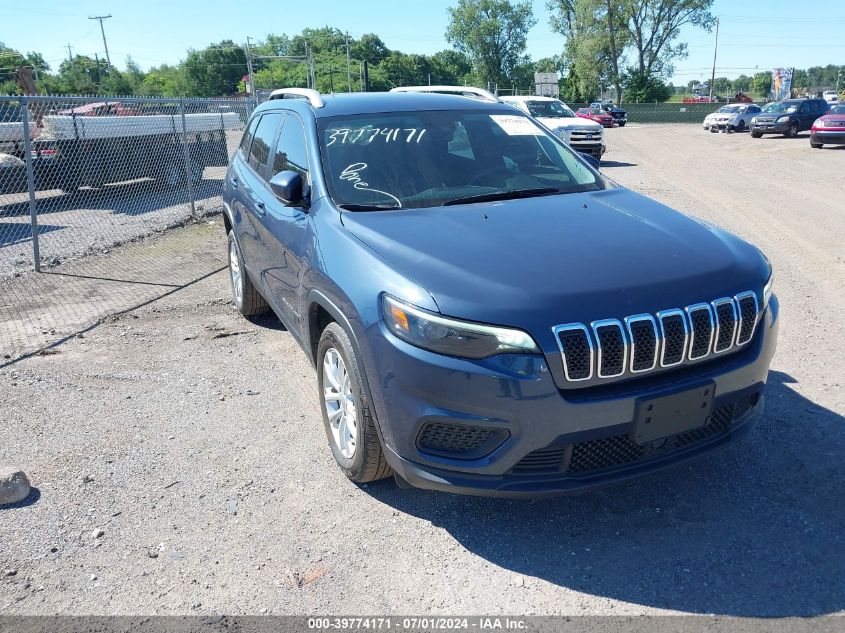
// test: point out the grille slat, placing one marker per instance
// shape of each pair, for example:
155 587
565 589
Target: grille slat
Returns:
747 304
673 330
613 349
701 330
576 350
642 332
726 324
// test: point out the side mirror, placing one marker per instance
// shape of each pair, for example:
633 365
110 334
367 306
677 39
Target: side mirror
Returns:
288 187
594 162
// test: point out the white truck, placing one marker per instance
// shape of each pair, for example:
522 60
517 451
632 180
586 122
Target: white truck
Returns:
581 134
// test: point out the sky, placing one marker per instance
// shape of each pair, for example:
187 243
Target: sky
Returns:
755 35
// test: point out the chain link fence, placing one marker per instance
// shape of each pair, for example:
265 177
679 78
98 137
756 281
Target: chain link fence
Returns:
664 112
80 176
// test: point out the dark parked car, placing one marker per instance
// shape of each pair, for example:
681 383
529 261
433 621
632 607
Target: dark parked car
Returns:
788 117
619 115
486 312
829 129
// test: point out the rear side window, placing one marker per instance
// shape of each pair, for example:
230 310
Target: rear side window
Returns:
250 132
290 154
262 141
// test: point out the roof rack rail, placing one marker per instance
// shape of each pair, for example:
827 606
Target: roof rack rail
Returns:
464 91
312 96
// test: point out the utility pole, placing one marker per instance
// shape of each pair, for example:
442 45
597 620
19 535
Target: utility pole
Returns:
249 67
715 50
69 55
97 64
103 31
348 67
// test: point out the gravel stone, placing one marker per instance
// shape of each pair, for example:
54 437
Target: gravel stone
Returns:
14 485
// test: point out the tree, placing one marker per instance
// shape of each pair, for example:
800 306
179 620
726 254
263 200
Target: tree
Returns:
762 84
450 67
369 48
216 70
595 42
493 35
641 87
654 26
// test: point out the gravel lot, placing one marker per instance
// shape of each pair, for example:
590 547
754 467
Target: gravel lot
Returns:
192 438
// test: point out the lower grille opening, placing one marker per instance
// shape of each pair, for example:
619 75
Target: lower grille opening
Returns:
619 450
460 441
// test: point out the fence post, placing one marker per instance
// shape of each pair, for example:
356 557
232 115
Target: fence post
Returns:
30 182
188 172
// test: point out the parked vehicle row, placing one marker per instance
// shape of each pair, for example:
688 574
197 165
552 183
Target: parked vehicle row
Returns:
824 119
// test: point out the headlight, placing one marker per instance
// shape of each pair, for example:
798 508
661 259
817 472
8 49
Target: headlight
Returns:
781 119
767 290
450 336
754 119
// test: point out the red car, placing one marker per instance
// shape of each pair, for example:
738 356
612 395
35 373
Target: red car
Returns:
597 115
829 129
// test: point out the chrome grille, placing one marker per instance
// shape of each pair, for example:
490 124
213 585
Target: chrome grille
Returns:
607 348
578 135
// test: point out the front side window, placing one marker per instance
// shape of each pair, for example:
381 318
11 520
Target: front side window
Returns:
432 158
265 134
290 153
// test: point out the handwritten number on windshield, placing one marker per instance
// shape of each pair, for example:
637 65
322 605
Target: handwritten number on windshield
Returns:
366 135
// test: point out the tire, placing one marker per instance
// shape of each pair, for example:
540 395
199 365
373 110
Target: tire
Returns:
622 124
354 440
248 300
740 127
792 132
816 145
756 134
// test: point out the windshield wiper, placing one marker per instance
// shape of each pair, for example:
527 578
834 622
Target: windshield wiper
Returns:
349 206
504 195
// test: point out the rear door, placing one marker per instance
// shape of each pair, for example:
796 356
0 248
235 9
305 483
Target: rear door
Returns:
284 229
256 194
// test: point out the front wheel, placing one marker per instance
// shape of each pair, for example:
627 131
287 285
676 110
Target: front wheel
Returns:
816 145
740 127
792 132
347 413
756 134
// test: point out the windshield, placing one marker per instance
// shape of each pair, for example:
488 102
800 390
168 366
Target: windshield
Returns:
596 111
431 158
839 109
732 109
549 109
781 106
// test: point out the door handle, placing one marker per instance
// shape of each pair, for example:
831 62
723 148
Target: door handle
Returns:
260 208
235 182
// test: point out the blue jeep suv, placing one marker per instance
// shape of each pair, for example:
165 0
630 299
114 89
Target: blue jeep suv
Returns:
486 312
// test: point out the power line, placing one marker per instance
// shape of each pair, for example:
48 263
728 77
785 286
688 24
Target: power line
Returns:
103 31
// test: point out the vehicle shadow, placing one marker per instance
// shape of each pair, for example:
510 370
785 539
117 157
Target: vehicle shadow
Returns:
753 530
31 499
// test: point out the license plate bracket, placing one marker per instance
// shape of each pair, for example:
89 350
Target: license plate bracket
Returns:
661 417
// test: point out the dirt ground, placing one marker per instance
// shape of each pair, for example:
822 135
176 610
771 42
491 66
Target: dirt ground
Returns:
192 438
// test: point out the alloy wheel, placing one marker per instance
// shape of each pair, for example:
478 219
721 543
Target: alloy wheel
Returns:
235 272
340 403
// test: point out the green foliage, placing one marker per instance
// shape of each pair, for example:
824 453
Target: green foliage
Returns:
215 70
493 35
762 83
640 87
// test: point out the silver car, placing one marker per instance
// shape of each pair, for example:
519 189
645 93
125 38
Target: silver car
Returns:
731 118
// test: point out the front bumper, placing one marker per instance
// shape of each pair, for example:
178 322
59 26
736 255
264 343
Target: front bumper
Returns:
833 137
593 149
770 128
515 398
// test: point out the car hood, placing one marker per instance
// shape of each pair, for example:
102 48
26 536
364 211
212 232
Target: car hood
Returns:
568 122
537 262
